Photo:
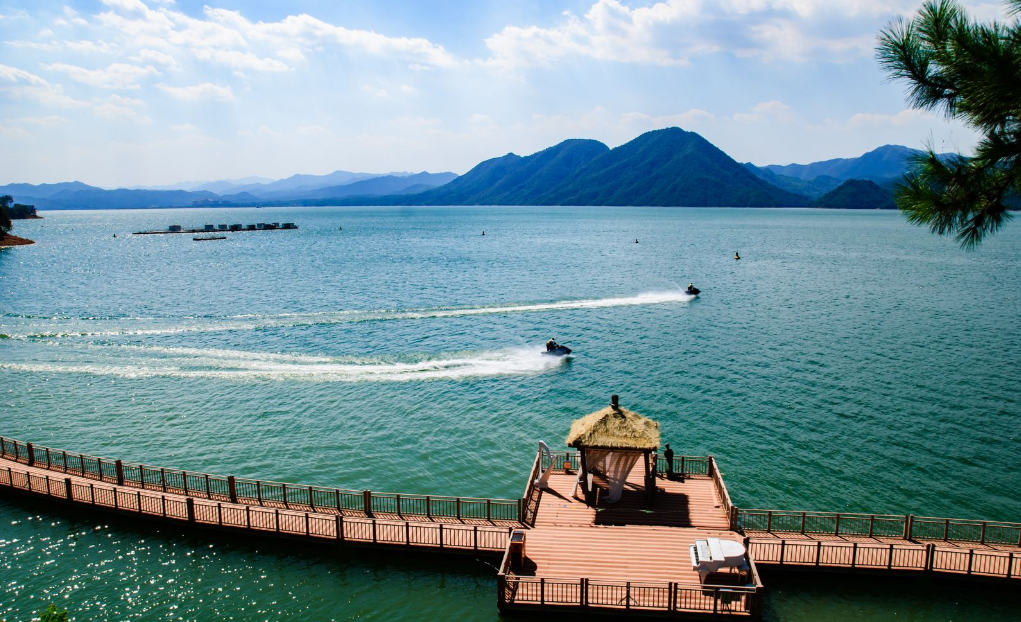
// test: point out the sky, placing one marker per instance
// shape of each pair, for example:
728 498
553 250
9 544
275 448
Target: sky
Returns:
147 92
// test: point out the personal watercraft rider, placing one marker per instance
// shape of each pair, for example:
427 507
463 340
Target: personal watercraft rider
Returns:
691 288
551 345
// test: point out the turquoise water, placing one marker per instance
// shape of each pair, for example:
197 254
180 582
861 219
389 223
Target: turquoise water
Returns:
849 362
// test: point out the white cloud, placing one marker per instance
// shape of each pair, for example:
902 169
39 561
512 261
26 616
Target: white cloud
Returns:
184 128
11 131
240 60
902 118
30 86
146 55
295 55
207 91
120 113
313 130
671 32
115 76
47 121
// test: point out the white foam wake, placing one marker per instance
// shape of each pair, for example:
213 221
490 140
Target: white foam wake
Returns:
241 366
165 326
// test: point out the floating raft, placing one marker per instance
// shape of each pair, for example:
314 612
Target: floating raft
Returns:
262 226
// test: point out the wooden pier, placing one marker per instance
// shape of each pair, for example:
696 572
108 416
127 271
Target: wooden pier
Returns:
622 559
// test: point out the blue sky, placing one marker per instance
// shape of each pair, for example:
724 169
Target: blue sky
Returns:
133 92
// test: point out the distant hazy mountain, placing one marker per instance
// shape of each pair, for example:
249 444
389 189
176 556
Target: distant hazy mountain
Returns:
512 179
388 184
296 185
225 185
23 192
886 162
667 167
858 194
812 189
123 198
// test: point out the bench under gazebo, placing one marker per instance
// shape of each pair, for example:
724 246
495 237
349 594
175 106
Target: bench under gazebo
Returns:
610 442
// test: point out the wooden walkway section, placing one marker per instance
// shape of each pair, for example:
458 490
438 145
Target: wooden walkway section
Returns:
340 527
624 559
628 556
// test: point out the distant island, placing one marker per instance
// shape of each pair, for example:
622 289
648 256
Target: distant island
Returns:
10 211
669 168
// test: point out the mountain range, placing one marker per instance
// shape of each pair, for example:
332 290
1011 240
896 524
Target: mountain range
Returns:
668 167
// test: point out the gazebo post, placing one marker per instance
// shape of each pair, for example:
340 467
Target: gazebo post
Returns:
583 473
650 479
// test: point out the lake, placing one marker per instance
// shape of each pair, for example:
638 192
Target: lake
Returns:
848 362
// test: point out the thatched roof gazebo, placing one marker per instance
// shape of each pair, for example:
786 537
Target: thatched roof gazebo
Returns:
610 442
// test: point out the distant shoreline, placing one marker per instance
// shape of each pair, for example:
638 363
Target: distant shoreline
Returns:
13 240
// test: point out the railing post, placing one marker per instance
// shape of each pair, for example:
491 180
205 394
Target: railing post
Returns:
489 511
219 513
340 527
783 547
367 502
163 504
716 599
399 504
373 531
248 517
232 491
119 468
459 508
47 458
889 561
65 460
946 530
184 480
283 487
682 466
428 507
308 530
836 529
1010 564
67 489
163 478
769 521
276 514
930 557
872 521
854 555
818 552
337 495
441 535
311 500
909 522
542 591
258 491
475 537
17 455
583 592
971 559
190 503
138 500
208 493
983 539
92 493
31 454
407 533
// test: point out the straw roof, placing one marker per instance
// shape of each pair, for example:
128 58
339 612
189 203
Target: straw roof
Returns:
612 428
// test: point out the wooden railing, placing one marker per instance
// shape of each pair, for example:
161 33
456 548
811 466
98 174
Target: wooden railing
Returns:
907 527
687 466
517 591
887 556
721 490
530 500
258 492
307 525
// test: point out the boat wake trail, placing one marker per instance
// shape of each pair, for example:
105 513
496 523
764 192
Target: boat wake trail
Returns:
107 327
235 365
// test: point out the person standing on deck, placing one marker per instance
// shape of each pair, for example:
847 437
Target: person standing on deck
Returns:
669 455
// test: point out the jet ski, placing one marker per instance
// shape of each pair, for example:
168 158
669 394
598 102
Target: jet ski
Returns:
556 350
693 291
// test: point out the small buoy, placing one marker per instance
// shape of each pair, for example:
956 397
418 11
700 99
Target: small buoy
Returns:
636 240
342 228
483 233
736 256
115 235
